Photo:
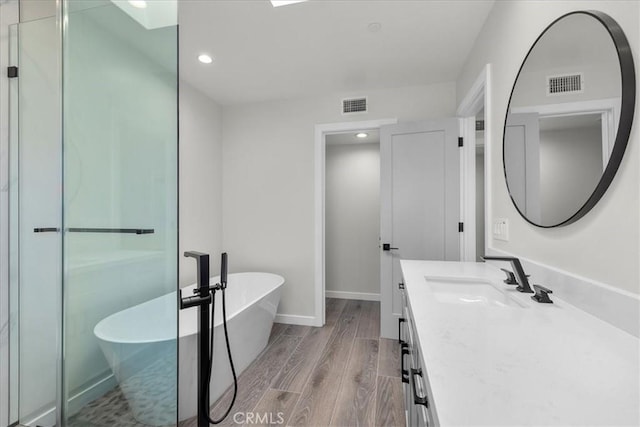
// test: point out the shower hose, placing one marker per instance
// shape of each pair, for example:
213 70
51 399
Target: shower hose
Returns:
205 395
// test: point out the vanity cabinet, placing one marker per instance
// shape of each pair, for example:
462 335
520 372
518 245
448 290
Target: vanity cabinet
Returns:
419 409
477 354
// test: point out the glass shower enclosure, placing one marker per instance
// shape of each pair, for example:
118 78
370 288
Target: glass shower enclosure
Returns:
93 213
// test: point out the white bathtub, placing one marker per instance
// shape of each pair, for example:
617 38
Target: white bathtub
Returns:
140 346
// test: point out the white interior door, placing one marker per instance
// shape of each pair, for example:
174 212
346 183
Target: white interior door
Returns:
522 160
419 203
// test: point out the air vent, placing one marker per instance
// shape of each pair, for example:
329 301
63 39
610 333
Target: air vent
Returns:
354 105
565 84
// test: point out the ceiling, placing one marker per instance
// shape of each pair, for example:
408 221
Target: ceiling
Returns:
578 121
373 136
320 46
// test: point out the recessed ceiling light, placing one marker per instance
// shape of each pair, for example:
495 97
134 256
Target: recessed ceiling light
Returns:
140 4
362 135
278 3
205 59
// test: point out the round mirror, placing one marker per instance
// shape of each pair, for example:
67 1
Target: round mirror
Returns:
569 118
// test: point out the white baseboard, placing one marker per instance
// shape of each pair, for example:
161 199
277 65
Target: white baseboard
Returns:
294 319
618 307
352 295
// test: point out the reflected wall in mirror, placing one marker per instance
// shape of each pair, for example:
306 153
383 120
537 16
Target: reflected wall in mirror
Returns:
569 118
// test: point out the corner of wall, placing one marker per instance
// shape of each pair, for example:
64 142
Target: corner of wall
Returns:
200 149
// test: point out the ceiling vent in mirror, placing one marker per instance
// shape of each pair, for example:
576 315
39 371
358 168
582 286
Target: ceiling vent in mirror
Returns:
565 84
354 105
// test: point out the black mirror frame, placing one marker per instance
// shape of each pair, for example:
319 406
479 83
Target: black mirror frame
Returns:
627 107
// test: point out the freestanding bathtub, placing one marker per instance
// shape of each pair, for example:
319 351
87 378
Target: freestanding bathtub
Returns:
139 344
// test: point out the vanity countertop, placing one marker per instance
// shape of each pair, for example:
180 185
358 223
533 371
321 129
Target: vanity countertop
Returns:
535 364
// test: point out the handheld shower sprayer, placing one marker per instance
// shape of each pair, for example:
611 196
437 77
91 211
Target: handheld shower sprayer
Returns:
223 270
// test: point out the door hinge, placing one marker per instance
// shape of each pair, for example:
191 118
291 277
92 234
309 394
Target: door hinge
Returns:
460 141
12 72
460 227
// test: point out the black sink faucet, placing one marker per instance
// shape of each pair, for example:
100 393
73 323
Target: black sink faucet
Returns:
523 282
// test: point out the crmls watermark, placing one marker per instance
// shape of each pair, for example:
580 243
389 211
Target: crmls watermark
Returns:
269 418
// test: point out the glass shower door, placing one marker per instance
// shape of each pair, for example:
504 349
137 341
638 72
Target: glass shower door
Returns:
120 213
35 220
93 216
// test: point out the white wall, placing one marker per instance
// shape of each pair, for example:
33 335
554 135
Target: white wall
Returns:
605 244
200 183
570 168
31 10
268 186
352 218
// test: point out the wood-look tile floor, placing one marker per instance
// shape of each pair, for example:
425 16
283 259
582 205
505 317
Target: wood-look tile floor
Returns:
342 374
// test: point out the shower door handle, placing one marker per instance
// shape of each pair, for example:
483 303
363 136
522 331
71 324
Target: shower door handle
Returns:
46 230
112 230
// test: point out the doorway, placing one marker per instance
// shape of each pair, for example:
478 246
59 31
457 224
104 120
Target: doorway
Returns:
352 220
324 132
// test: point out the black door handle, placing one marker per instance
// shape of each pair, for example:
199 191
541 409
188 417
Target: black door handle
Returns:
387 247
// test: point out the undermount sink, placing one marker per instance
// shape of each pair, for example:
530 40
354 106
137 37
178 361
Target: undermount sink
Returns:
470 291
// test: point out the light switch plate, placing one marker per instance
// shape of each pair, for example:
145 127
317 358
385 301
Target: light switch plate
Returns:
501 229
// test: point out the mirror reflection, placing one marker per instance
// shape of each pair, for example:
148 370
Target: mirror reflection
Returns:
562 119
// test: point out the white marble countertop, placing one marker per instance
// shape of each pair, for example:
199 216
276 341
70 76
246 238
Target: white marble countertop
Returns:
540 364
